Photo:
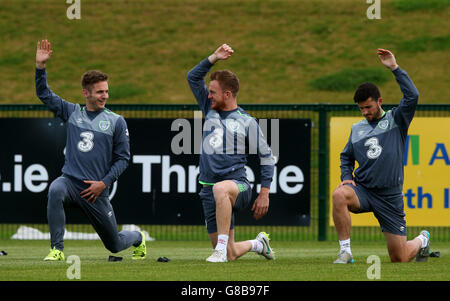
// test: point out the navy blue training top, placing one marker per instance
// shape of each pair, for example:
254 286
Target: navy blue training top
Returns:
228 138
378 146
97 146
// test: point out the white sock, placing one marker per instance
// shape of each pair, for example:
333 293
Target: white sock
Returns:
345 246
222 242
423 239
257 246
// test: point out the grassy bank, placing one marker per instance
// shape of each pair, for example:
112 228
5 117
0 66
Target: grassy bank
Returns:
282 48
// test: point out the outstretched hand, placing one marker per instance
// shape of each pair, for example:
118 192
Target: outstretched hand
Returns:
387 58
43 53
222 53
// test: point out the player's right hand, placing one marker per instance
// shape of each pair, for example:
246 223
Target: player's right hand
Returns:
222 53
91 193
43 53
261 204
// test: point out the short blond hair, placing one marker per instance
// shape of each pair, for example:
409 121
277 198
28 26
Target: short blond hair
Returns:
228 81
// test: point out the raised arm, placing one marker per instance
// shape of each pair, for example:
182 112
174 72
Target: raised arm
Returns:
404 113
55 103
196 76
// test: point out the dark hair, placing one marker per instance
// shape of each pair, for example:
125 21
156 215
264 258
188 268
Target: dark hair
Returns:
92 77
366 90
228 81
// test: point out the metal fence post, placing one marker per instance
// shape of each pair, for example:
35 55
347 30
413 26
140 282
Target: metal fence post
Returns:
323 134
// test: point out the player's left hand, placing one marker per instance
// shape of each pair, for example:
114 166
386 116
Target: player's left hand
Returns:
261 204
91 193
387 58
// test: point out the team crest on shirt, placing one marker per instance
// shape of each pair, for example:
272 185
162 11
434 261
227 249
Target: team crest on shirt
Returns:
383 124
232 125
104 124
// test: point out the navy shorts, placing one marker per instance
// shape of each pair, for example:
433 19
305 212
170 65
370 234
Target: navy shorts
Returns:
386 205
209 203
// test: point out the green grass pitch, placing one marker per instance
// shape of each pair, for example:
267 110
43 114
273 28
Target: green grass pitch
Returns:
295 261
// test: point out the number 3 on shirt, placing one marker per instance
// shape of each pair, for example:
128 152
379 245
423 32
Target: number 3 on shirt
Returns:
86 144
374 148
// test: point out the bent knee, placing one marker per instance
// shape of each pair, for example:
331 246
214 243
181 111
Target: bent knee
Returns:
341 195
113 248
219 189
345 197
397 258
398 255
57 191
223 189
